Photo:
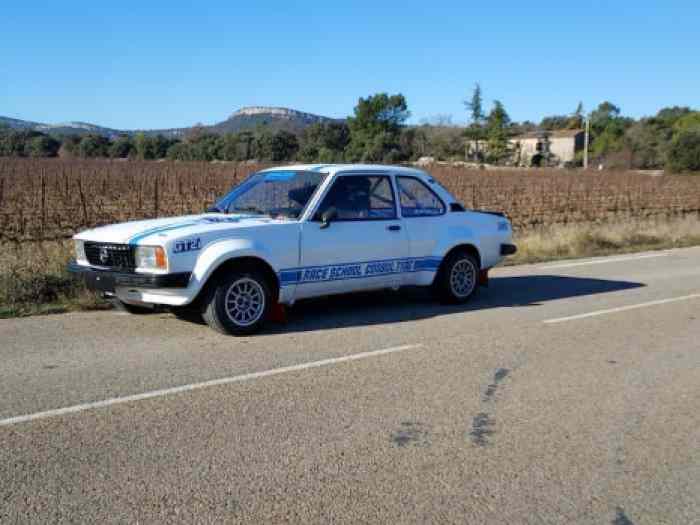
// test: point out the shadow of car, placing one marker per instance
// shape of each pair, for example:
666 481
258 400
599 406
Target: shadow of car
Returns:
410 304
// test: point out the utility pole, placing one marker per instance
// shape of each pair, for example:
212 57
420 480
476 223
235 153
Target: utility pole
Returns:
585 143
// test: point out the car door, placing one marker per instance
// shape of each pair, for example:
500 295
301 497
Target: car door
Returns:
423 213
362 247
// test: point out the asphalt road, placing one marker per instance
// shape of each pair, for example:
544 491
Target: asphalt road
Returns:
564 393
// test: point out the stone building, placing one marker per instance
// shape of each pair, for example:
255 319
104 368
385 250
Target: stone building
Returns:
537 148
547 148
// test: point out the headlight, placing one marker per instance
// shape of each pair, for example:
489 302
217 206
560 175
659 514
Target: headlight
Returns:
80 251
151 258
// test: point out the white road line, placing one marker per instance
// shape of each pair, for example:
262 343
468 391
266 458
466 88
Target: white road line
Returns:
196 386
605 260
623 308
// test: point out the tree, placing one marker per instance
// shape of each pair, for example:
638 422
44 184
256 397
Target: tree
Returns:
475 132
648 143
577 119
670 115
69 146
93 146
284 146
649 139
228 147
247 140
497 123
688 121
121 147
603 115
15 143
277 146
376 126
143 148
498 117
474 106
324 142
684 151
607 130
179 151
42 146
554 122
149 148
440 120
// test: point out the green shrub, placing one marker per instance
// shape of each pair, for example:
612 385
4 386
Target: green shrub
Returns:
684 152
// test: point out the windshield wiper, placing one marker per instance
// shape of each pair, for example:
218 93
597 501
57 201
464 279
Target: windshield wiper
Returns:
214 209
249 209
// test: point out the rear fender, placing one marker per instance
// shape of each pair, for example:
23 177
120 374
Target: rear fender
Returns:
456 236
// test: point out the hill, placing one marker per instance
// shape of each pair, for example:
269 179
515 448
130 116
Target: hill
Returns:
276 118
245 119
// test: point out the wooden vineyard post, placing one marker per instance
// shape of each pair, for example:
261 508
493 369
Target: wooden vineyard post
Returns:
155 196
82 200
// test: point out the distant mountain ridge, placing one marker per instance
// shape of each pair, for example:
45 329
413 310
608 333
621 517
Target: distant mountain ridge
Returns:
244 119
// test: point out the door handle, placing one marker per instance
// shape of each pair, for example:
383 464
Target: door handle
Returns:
393 228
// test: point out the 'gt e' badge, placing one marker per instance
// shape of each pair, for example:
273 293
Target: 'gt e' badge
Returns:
188 245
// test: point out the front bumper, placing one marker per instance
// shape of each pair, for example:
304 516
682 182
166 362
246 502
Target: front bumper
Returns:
109 280
508 249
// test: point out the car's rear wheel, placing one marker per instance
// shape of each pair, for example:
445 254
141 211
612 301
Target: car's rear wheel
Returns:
238 303
458 278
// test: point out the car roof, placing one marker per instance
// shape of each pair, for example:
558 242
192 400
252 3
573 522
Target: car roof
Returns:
332 169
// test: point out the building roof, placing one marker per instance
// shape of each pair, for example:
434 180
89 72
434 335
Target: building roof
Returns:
554 133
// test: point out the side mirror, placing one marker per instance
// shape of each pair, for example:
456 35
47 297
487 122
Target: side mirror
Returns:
328 216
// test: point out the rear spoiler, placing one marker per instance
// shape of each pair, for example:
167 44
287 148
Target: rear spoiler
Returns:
489 212
456 206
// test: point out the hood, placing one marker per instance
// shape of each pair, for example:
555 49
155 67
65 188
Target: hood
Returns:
159 231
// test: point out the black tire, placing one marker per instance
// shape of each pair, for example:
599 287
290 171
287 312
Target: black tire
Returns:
226 303
451 288
121 306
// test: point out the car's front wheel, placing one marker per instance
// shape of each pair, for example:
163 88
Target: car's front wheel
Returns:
238 303
458 278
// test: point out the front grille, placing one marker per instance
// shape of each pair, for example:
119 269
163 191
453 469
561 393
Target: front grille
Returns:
120 256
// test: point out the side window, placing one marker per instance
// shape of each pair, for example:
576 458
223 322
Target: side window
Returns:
417 200
360 197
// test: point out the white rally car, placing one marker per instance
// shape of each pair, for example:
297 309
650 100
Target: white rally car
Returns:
295 232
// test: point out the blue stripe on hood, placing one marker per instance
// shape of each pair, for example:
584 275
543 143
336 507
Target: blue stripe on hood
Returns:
160 229
202 220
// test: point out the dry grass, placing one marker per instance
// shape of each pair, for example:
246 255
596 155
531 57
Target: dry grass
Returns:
33 278
573 241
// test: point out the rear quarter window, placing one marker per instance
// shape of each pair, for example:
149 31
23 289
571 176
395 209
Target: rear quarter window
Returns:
417 199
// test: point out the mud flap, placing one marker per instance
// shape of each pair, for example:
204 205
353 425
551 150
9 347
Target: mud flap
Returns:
483 277
278 313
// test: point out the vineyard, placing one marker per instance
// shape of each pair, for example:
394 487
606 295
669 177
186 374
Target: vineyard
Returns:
52 199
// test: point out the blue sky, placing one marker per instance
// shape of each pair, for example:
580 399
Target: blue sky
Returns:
155 64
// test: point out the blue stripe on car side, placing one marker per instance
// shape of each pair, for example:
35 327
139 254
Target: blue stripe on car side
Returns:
291 276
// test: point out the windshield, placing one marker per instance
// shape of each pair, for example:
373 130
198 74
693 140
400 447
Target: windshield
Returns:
274 193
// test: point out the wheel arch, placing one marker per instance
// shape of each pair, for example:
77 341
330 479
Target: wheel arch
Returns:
462 247
238 263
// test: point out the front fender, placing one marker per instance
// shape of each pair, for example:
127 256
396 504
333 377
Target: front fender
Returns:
217 253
